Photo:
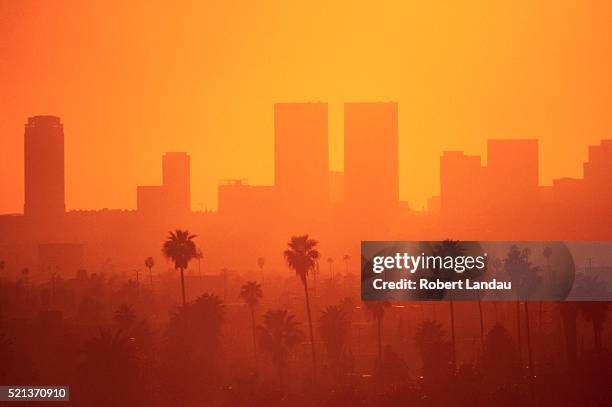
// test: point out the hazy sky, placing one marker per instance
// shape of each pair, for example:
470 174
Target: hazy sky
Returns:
132 80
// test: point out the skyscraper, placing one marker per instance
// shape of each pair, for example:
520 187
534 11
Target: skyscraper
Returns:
301 163
371 169
461 186
176 182
598 176
336 187
512 174
44 167
598 169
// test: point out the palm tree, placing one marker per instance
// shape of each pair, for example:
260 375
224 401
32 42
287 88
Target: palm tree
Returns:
180 248
593 311
2 266
569 313
346 259
347 305
26 279
125 316
17 363
191 351
334 326
547 253
315 273
224 271
251 293
453 249
199 256
500 358
377 312
481 317
149 263
110 361
197 326
497 265
53 285
260 263
302 257
525 279
435 351
278 335
330 261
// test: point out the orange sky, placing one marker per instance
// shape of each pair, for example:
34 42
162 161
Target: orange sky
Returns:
133 81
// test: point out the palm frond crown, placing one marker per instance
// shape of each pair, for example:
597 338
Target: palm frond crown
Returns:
301 255
251 293
180 248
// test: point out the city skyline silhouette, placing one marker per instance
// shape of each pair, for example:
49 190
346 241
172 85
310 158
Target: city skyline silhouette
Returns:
298 204
500 200
178 89
330 183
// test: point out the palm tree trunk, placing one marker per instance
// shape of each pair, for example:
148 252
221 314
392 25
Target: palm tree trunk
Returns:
314 358
200 276
137 284
540 315
183 286
151 276
568 315
314 278
597 328
454 344
527 331
379 340
482 340
224 285
518 333
281 377
254 337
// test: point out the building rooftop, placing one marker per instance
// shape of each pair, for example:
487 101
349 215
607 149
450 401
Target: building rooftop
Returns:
44 120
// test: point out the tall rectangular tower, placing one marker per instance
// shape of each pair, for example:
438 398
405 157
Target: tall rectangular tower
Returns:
44 167
461 186
176 182
301 162
512 173
598 177
371 167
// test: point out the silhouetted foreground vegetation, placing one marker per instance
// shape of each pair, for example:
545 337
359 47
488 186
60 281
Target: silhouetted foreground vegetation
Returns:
294 341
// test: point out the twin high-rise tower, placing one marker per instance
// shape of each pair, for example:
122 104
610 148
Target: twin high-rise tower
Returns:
302 177
371 161
301 158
